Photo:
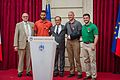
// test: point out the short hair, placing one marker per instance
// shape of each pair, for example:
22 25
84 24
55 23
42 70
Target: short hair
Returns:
72 12
59 17
43 11
86 15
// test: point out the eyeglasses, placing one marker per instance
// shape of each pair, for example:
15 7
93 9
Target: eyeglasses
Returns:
57 20
25 16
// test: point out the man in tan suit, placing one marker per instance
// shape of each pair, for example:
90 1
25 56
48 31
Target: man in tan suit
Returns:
21 44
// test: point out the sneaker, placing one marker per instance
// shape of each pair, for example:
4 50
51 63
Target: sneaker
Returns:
19 74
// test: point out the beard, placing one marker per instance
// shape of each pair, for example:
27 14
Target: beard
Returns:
43 18
71 19
86 22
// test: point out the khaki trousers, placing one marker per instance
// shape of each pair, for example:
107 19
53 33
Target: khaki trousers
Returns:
22 53
89 59
73 49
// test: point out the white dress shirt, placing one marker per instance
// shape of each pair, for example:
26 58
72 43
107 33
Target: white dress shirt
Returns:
59 28
29 32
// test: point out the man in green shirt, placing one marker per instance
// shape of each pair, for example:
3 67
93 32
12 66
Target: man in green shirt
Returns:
90 39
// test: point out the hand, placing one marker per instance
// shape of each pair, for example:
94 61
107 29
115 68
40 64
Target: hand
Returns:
46 28
68 37
16 48
51 36
93 47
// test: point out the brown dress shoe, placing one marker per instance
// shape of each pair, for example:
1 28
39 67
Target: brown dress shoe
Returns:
93 79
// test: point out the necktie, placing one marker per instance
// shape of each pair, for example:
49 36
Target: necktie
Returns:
57 30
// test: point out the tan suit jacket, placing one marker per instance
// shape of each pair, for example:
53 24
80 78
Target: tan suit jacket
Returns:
20 36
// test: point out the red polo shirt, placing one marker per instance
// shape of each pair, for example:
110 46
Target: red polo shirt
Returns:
42 28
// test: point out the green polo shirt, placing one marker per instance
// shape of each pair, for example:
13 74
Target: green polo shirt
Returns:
88 32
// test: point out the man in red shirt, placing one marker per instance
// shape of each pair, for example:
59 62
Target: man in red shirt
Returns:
42 26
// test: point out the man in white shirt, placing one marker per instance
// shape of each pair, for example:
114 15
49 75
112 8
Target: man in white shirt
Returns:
21 44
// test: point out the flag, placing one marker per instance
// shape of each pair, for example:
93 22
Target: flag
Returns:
0 49
116 38
48 12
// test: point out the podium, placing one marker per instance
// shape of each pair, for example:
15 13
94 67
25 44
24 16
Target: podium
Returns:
42 56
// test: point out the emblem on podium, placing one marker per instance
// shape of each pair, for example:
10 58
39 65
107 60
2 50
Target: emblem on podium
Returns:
41 47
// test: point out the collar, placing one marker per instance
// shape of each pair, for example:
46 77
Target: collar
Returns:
25 22
41 21
72 22
88 24
58 25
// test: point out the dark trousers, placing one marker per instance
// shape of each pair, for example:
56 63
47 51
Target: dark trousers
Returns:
60 54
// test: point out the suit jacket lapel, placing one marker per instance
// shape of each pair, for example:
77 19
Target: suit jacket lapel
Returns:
54 29
62 28
30 26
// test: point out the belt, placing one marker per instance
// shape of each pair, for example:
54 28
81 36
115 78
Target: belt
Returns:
88 42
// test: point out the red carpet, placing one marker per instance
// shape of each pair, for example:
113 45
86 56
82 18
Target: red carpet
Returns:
12 75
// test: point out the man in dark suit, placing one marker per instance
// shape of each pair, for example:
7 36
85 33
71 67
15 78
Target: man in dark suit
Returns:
58 31
21 44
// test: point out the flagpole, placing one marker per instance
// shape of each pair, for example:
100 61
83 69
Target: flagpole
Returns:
48 10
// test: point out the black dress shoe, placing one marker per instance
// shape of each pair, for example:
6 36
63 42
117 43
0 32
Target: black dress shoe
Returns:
71 75
93 79
79 76
28 74
87 77
61 74
19 74
55 74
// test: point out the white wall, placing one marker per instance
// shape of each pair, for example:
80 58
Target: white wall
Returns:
62 7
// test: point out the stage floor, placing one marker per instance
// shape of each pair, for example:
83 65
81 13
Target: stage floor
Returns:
11 74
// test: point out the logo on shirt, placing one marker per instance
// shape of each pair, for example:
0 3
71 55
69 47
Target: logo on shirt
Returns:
88 29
